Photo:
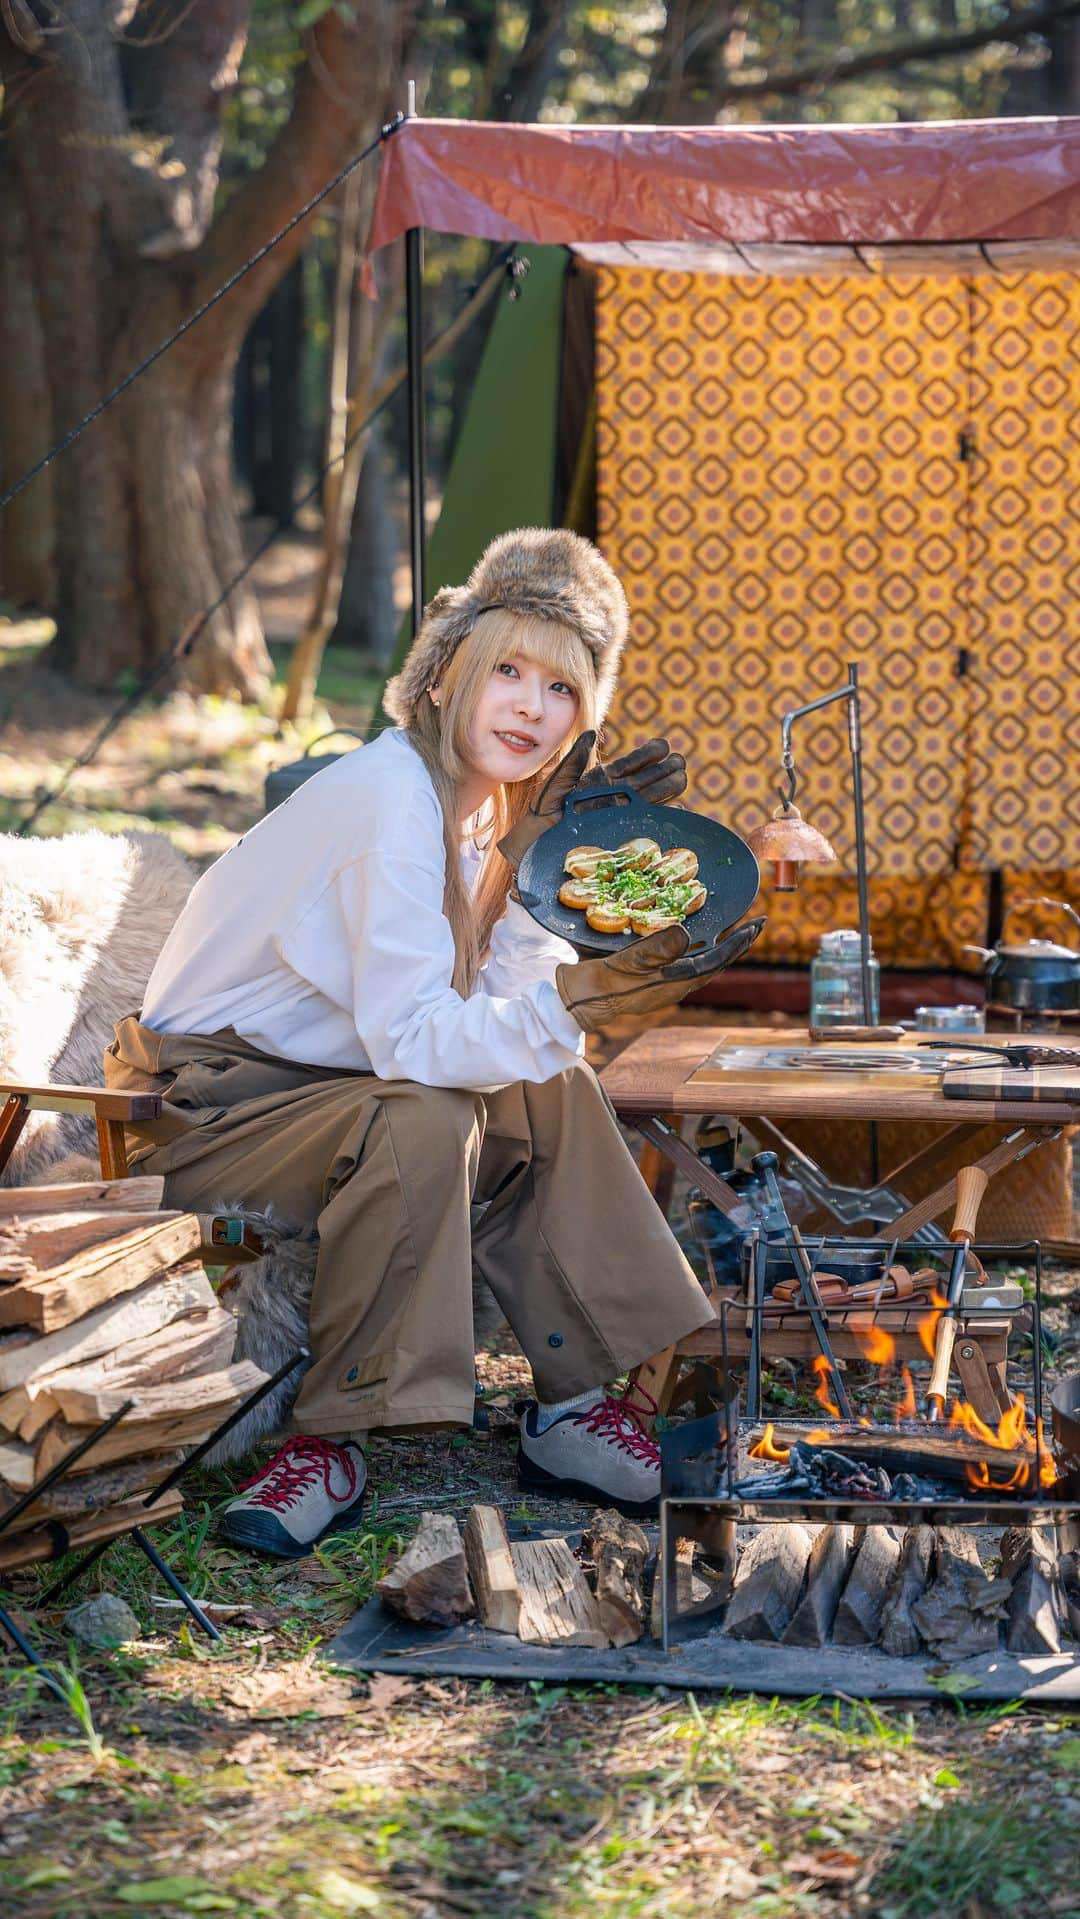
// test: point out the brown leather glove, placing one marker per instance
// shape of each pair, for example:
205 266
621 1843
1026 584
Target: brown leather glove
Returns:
650 973
652 771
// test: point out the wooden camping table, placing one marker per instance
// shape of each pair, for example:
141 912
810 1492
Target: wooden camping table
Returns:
653 1078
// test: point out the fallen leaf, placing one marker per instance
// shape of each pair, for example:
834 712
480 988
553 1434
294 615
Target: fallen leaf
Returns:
385 1688
830 1863
290 1689
342 1894
246 1751
769 1762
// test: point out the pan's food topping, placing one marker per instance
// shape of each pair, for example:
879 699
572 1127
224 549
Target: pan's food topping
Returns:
633 882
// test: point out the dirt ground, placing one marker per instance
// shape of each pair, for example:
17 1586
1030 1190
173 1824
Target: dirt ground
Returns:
248 1777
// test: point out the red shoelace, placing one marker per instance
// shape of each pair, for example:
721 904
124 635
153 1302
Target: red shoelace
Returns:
295 1468
617 1422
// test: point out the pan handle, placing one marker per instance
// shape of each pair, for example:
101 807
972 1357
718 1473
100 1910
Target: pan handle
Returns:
590 796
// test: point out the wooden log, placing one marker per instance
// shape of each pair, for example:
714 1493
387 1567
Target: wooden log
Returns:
429 1584
557 1608
72 1498
958 1613
1069 1575
142 1193
36 1547
768 1583
899 1634
64 1293
491 1569
912 1448
155 1304
34 1244
826 1570
178 1414
618 1550
1035 1610
858 1615
199 1343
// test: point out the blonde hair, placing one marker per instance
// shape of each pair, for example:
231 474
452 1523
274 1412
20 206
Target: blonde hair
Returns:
441 737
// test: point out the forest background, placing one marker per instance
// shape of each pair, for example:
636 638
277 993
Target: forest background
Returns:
149 147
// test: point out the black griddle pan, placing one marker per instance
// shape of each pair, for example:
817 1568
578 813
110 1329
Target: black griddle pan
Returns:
606 816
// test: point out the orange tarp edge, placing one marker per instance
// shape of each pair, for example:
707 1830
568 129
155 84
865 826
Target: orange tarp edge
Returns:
948 181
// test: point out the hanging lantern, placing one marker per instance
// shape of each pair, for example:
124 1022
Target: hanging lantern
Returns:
785 842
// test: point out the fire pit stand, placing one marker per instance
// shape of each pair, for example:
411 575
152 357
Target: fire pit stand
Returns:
705 1492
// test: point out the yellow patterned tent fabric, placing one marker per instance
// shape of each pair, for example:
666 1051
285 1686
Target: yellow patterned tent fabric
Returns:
795 473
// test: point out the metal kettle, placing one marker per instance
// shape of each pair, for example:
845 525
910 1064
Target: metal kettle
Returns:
1032 976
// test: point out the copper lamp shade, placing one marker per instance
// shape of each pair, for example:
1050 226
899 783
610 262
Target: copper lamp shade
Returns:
785 842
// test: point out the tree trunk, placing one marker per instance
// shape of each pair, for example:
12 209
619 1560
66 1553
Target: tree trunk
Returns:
28 525
366 618
148 538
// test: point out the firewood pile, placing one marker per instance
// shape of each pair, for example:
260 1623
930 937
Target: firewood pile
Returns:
102 1299
920 1592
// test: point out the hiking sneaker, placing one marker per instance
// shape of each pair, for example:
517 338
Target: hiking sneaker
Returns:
596 1451
312 1487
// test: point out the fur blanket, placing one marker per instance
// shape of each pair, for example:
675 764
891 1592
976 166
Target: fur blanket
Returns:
82 920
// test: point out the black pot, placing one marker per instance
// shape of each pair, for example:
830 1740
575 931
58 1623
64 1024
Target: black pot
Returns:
1032 976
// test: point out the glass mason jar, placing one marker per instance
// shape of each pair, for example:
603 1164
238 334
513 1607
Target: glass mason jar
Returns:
836 996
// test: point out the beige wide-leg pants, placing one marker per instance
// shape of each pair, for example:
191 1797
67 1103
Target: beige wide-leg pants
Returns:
409 1186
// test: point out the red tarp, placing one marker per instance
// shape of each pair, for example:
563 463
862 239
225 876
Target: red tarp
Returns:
945 181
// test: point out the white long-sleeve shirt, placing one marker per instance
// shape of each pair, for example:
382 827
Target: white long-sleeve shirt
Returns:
320 937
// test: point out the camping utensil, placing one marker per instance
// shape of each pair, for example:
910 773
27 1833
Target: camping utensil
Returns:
606 816
1032 976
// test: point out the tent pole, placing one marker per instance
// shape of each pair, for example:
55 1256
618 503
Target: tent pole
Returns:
414 327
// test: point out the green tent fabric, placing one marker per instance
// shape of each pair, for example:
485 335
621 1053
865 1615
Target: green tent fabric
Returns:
502 473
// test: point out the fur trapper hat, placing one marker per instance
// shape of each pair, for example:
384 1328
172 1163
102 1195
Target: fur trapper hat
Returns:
543 571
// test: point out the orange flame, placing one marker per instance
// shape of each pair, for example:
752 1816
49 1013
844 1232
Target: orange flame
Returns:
1012 1435
820 1436
767 1448
821 1391
926 1324
906 1407
875 1344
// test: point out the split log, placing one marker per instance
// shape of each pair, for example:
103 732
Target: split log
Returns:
858 1616
177 1414
73 1498
899 1634
768 1583
491 1569
698 1587
618 1550
34 1244
142 1193
36 1547
1034 1615
557 1608
153 1305
826 1571
52 1298
429 1584
199 1343
958 1613
1069 1575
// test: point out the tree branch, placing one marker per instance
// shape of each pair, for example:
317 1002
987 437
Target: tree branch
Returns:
831 69
326 127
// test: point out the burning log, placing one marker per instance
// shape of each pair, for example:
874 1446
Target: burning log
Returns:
858 1616
618 1550
826 1571
958 1613
937 1452
768 1583
1034 1615
899 1634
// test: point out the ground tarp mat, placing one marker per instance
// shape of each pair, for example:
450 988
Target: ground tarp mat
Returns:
375 1640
